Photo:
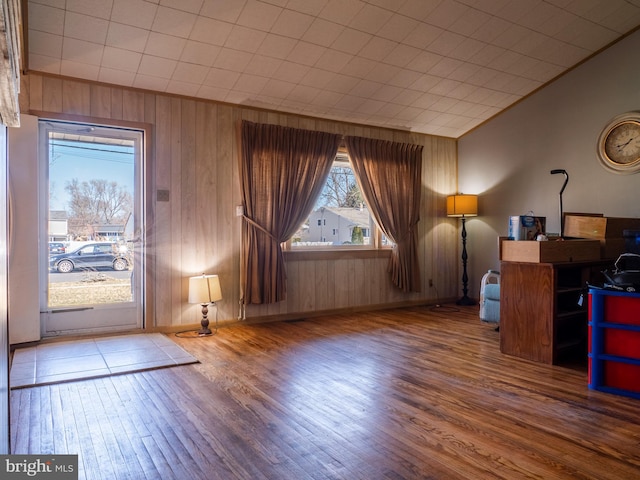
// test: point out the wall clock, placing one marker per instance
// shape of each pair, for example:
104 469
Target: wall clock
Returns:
619 144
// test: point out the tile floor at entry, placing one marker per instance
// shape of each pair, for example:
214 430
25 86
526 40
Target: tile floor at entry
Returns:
89 358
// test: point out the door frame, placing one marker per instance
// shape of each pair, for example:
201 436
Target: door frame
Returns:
145 232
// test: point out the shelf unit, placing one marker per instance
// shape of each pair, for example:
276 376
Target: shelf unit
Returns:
614 342
541 316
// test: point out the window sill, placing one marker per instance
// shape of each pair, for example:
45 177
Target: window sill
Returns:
337 253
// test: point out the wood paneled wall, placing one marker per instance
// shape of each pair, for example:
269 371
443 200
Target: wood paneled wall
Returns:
193 153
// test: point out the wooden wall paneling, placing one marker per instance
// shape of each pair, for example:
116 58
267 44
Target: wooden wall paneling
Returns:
76 97
52 94
207 184
181 183
100 101
227 226
171 228
149 208
133 105
321 285
24 99
150 108
160 271
307 286
184 212
116 103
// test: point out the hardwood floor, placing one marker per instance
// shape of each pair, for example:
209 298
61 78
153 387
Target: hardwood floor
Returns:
399 394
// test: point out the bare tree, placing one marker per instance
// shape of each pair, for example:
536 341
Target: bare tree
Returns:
96 202
341 189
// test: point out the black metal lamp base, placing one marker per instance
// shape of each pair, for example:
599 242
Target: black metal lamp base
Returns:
466 301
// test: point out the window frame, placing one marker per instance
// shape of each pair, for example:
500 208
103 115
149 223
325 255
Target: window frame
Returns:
328 251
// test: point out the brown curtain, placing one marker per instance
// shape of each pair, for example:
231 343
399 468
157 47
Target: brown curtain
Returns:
389 177
282 172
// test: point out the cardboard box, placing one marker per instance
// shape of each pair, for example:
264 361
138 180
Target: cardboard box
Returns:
595 226
531 251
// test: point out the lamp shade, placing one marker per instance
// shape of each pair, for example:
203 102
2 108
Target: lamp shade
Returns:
462 205
204 289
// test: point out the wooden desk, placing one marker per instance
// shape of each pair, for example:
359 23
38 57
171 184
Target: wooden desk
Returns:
540 318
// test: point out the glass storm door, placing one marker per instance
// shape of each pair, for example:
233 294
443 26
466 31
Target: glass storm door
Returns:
91 218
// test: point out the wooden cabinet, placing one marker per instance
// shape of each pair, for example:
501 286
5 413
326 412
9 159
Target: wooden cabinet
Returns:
541 318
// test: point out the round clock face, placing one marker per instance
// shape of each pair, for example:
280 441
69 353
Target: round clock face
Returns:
619 144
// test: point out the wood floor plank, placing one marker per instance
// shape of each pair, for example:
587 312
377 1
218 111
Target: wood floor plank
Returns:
415 393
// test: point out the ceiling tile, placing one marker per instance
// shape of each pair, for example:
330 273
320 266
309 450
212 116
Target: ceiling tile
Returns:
149 82
42 43
127 37
95 8
378 49
233 60
170 21
245 39
46 19
81 51
250 83
291 72
221 78
423 35
318 78
70 68
277 88
259 15
261 65
213 93
182 88
351 41
386 93
370 19
292 24
43 63
199 53
191 6
137 13
119 59
310 7
166 46
342 84
341 11
446 13
469 22
306 53
359 67
333 60
156 66
225 10
398 28
188 72
446 43
322 32
276 46
401 55
208 30
377 62
116 77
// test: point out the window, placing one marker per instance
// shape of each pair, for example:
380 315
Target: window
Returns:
340 213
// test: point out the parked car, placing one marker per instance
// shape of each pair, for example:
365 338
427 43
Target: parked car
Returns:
56 247
93 255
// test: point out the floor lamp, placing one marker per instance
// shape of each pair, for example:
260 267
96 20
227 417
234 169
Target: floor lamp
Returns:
463 206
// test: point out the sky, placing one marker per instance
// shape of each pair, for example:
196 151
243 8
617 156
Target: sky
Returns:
86 161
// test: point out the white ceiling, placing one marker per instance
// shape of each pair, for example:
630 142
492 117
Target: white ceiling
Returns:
439 67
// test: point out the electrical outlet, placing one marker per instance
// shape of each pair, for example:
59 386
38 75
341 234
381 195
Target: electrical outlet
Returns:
431 282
